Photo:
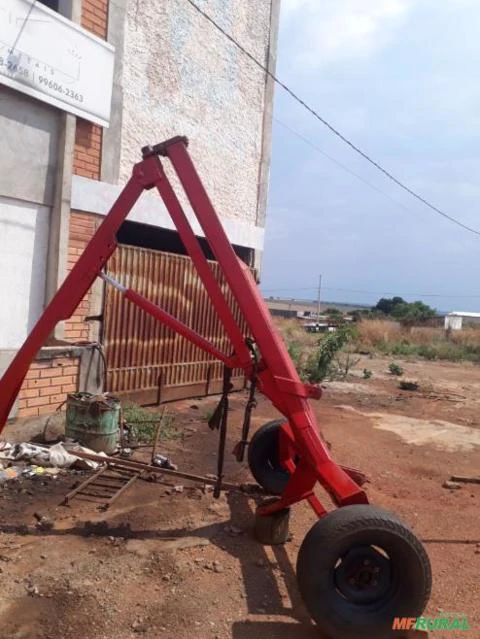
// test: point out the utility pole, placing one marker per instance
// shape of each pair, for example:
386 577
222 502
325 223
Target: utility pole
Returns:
318 295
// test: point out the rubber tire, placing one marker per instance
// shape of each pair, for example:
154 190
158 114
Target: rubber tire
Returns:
263 458
328 540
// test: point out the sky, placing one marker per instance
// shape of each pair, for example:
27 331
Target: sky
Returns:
399 78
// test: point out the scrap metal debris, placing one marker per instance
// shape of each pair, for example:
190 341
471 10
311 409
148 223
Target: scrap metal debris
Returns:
56 456
163 462
451 485
465 479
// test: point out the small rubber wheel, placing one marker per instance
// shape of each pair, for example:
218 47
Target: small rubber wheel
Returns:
358 568
263 458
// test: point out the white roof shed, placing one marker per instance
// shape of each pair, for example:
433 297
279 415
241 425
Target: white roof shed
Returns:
455 319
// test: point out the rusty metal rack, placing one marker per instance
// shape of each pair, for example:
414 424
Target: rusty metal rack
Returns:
144 470
105 486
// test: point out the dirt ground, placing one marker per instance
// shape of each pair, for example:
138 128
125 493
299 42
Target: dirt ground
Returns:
183 565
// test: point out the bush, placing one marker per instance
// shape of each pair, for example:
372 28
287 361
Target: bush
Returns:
413 313
295 352
324 362
395 369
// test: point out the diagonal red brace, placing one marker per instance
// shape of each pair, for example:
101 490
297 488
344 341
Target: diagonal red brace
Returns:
170 321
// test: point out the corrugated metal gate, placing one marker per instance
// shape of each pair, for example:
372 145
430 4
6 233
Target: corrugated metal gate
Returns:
145 360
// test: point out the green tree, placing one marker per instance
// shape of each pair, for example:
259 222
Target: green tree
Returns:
387 305
410 313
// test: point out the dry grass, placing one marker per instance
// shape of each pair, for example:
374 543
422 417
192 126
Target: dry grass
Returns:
389 338
301 345
469 336
424 341
373 332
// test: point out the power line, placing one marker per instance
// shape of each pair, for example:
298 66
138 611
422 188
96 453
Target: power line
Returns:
335 131
340 164
352 290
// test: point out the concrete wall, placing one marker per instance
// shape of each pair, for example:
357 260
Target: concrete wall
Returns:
24 233
29 132
181 76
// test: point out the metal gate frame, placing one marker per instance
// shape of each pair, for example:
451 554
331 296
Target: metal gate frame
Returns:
146 361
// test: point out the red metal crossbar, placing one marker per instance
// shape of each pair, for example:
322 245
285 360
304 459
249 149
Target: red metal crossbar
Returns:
277 376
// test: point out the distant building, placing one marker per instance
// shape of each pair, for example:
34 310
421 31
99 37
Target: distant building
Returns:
456 320
307 309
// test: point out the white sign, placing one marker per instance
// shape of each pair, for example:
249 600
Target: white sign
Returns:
54 60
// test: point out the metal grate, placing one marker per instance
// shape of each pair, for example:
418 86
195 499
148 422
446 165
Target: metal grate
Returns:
146 361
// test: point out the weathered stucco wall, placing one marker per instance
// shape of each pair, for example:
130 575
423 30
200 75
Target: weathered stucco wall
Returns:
181 76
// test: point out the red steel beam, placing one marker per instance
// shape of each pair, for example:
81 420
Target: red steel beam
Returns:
202 266
170 321
277 362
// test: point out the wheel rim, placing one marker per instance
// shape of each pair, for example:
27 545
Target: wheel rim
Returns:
363 575
272 461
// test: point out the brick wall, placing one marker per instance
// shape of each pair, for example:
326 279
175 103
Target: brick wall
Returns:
82 227
86 162
88 137
95 16
48 382
46 385
87 155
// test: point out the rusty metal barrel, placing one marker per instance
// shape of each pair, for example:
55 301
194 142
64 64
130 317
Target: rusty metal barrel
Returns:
93 421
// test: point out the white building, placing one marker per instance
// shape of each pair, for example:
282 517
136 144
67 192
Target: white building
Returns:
456 320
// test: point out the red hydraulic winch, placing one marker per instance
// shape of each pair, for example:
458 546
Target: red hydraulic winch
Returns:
359 567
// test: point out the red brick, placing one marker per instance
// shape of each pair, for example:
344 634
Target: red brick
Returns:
50 390
56 400
47 410
70 370
100 12
29 392
38 401
34 370
38 383
65 379
52 372
28 412
69 388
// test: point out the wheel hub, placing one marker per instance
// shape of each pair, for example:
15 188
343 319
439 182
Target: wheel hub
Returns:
363 575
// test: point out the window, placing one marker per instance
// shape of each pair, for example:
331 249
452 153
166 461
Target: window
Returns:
51 4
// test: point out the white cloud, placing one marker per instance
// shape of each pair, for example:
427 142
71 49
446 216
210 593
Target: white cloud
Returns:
320 32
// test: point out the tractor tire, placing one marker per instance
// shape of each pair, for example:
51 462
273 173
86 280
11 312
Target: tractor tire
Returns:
263 458
360 567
